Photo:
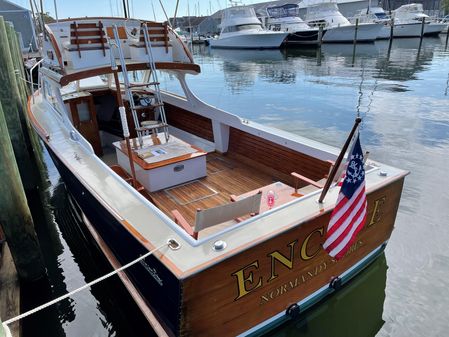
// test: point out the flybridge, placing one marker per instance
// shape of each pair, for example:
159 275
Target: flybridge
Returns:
80 44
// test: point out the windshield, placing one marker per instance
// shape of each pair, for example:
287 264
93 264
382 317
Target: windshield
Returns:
241 27
283 11
381 15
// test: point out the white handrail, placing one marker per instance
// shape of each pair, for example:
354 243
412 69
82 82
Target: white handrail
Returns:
31 77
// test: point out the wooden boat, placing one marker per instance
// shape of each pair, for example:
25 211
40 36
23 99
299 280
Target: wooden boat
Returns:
236 237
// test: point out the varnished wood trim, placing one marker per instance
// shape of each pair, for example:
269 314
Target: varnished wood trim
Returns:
181 221
66 79
149 166
298 176
121 32
281 159
186 50
55 46
134 231
39 129
189 121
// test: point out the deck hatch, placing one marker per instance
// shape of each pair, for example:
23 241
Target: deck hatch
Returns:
190 192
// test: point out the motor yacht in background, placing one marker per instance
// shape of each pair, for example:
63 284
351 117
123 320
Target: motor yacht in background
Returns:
375 15
338 28
408 22
286 18
240 28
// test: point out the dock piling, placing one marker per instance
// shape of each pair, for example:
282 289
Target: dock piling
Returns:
13 108
356 30
447 39
15 216
391 29
355 40
320 36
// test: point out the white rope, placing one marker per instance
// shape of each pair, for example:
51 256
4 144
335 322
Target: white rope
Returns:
6 331
88 285
23 79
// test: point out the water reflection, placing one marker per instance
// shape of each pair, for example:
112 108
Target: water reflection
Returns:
73 259
241 68
355 310
314 97
402 62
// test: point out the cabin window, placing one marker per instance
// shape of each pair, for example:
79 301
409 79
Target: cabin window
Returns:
231 29
247 27
170 83
381 15
83 111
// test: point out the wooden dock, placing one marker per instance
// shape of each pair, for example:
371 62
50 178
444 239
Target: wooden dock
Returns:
9 289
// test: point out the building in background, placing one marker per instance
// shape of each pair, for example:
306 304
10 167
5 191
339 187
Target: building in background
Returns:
22 21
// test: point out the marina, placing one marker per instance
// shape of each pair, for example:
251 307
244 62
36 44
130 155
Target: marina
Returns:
223 205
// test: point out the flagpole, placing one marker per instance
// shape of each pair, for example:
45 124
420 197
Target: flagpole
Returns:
338 161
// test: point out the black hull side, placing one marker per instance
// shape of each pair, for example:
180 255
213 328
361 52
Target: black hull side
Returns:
303 37
163 297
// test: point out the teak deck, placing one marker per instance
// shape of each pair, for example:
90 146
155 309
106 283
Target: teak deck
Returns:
225 176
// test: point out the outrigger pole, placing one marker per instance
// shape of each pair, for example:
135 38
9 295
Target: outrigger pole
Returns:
338 161
124 9
122 110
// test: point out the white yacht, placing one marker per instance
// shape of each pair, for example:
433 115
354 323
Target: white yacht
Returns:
286 18
240 28
338 28
412 15
375 15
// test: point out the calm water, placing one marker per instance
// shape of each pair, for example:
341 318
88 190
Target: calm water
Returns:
402 96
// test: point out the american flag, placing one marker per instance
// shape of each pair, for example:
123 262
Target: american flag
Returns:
349 215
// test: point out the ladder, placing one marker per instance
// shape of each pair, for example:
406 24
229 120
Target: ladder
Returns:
159 112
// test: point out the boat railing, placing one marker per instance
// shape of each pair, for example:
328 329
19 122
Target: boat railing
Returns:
32 84
82 43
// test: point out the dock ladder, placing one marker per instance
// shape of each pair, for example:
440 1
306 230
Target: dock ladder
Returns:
160 121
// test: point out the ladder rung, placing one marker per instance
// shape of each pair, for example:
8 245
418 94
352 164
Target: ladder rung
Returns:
142 84
151 127
145 107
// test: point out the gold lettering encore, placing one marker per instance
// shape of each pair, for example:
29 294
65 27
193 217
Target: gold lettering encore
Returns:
248 281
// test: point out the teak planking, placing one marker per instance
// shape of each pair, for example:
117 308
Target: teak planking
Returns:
224 176
215 305
275 157
188 121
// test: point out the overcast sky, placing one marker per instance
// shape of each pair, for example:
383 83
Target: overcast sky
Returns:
142 9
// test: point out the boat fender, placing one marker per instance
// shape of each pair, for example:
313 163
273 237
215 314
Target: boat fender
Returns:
335 283
293 311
